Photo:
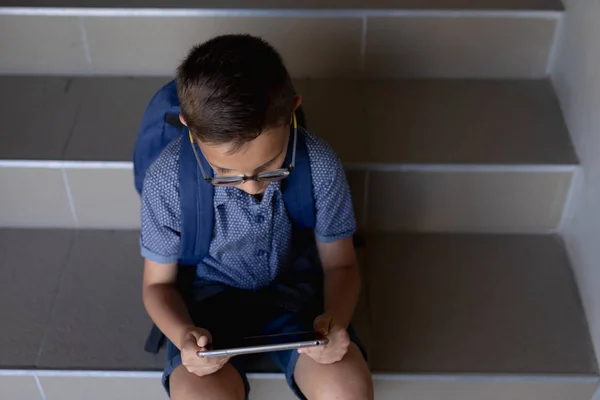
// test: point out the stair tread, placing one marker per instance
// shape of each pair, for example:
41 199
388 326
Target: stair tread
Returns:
475 303
431 121
442 304
304 4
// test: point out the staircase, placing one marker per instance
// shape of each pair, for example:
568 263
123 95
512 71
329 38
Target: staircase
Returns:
459 161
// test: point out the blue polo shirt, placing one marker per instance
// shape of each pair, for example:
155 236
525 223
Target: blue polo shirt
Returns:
252 238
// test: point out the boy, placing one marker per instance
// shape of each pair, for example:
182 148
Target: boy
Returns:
238 103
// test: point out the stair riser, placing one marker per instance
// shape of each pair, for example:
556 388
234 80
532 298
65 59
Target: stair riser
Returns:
447 200
436 44
102 196
482 390
92 388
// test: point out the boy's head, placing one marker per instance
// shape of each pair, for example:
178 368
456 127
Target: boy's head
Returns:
237 99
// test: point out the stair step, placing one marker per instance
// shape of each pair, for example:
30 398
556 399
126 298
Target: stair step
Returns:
302 4
416 38
475 303
442 317
71 386
428 121
422 155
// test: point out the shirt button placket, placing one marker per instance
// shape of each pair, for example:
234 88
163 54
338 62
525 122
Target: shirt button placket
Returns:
262 243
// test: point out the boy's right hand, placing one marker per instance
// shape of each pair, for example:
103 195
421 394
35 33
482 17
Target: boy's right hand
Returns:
193 341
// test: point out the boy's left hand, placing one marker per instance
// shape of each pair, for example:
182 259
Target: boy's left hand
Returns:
339 341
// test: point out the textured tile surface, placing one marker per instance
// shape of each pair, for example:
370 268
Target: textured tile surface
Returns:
466 122
109 117
334 110
464 390
34 197
475 304
504 202
310 47
99 321
458 47
303 4
40 44
105 198
37 114
88 388
19 388
30 268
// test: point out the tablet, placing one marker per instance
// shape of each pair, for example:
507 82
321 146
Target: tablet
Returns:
263 344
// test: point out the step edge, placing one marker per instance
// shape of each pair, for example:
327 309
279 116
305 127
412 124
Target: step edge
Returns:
282 13
439 377
351 166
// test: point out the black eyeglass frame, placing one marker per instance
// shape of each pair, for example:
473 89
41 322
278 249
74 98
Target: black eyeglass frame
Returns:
265 176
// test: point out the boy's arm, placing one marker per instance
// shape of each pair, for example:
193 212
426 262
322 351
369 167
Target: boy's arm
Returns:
168 311
341 290
334 226
163 302
341 280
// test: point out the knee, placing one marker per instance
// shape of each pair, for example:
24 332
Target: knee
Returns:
349 388
225 384
350 379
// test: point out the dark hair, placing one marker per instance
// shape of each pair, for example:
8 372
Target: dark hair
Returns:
232 87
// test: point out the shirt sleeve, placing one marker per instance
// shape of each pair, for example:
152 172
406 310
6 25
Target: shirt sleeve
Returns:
160 213
335 214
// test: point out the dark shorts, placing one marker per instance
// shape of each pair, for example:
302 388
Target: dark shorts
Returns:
234 314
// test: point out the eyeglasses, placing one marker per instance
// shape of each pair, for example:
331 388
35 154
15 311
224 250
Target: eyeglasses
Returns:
266 176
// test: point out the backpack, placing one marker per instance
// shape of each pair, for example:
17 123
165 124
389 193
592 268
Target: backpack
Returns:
160 125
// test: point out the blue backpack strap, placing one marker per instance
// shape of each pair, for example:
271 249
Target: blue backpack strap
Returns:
196 198
155 133
160 125
298 194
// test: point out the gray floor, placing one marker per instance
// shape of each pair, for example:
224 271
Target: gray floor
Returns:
432 303
400 121
303 4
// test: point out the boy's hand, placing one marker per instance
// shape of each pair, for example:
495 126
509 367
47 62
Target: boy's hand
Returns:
339 341
193 341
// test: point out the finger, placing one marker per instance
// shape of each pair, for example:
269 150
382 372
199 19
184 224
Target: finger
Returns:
203 341
311 350
321 324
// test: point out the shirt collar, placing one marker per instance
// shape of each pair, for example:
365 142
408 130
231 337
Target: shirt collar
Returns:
226 193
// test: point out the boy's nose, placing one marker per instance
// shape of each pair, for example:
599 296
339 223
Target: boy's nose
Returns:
252 187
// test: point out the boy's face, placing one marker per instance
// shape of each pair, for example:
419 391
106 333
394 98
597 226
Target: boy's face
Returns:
266 152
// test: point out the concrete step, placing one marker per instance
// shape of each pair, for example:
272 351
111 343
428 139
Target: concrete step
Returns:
421 155
357 38
443 317
549 5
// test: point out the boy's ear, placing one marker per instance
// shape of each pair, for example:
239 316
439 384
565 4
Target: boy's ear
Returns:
297 102
182 120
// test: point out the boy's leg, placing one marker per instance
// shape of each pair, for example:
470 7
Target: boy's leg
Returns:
226 384
348 379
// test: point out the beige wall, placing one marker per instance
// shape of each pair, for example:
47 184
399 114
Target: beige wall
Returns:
576 76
